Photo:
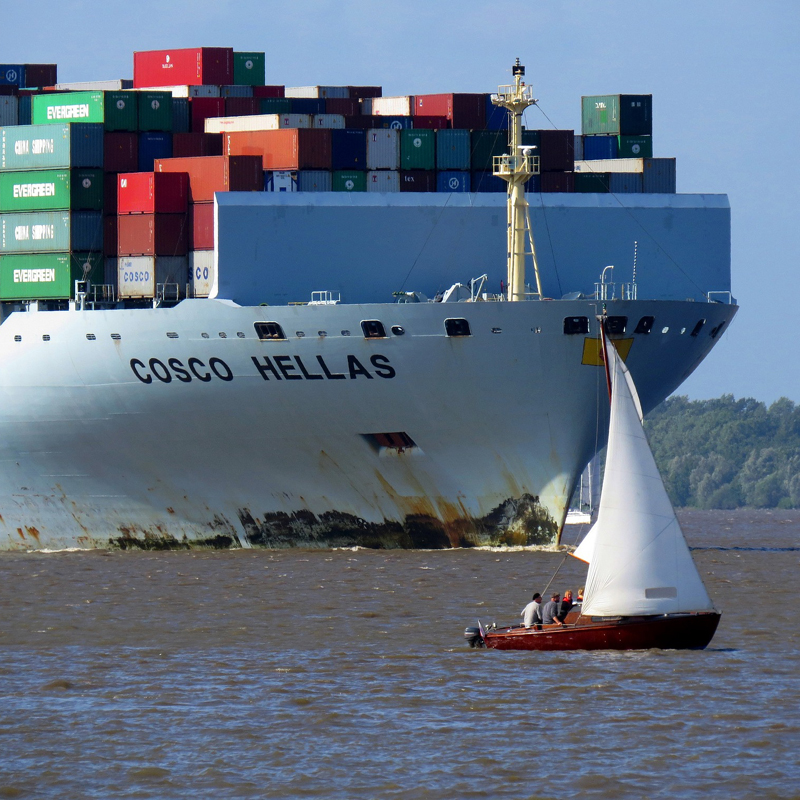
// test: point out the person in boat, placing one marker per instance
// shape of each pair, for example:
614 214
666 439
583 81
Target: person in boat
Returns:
550 610
580 595
564 606
532 613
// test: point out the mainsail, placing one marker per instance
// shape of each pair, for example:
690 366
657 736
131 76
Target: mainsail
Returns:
640 562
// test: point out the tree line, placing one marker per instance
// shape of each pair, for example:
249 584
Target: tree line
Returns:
727 453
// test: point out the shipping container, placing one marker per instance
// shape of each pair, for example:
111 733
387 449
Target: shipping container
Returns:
452 181
118 85
9 110
155 111
181 118
236 91
110 237
195 145
237 173
12 74
611 165
453 149
346 106
51 232
203 108
591 182
6 90
68 107
332 121
578 147
152 146
204 65
201 226
38 75
120 151
249 69
268 91
624 182
202 271
635 147
556 151
557 182
496 116
659 176
315 180
307 105
384 180
121 111
486 181
79 189
47 276
383 148
109 192
485 146
463 110
184 92
258 122
417 149
417 181
274 105
110 271
152 234
365 122
34 147
349 181
431 123
317 91
288 149
618 114
348 149
142 276
153 193
280 181
359 92
25 107
242 106
390 106
599 147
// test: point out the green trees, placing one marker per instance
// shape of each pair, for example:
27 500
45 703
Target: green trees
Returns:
727 453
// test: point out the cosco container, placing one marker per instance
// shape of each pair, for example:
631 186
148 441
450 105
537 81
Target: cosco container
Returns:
417 149
121 152
314 180
203 65
290 149
249 69
635 147
383 148
51 189
201 226
348 149
333 121
194 145
624 182
487 181
280 181
153 193
9 110
152 146
47 276
453 181
659 176
618 114
317 91
34 147
202 271
152 234
453 149
349 181
203 108
141 276
384 180
486 145
51 232
155 111
599 147
578 147
238 173
463 110
274 105
258 122
388 106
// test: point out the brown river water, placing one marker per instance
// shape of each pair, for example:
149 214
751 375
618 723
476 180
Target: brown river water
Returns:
344 674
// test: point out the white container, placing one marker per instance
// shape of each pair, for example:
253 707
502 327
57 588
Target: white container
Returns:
201 267
183 91
388 106
611 165
280 181
9 110
327 121
96 86
257 122
384 180
383 148
140 276
317 91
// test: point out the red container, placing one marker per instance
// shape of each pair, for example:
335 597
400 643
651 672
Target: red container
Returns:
268 91
289 148
120 151
346 106
365 91
152 235
194 145
432 123
193 67
217 174
242 106
417 180
202 227
463 110
41 74
153 193
110 236
557 181
203 108
556 151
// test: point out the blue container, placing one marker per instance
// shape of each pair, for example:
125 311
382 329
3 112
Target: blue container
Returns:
496 116
659 176
600 147
307 105
348 149
314 180
482 181
398 123
152 146
625 182
453 149
236 91
453 180
181 118
12 74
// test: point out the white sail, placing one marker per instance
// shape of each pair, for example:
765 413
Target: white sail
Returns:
640 563
583 552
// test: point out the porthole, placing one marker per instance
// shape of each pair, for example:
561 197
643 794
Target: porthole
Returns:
373 329
665 329
616 325
116 337
299 334
204 335
172 335
269 330
398 330
497 330
17 338
457 327
698 327
91 337
645 325
223 335
683 330
345 333
240 335
322 333
715 330
537 329
45 337
576 325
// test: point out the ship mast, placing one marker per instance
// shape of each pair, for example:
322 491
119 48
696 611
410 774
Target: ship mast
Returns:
516 169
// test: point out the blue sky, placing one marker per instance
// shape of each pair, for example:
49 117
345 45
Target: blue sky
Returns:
723 75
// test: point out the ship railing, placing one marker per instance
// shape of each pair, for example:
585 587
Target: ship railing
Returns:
519 164
325 298
166 293
608 291
725 297
510 92
102 294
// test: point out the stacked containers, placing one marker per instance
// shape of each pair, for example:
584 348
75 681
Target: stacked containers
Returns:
453 160
383 153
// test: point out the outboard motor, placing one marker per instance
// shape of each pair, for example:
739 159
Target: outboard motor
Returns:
473 636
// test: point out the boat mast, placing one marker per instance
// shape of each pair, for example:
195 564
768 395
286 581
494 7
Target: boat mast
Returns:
516 169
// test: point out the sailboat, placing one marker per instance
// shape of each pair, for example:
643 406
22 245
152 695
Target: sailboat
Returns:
643 589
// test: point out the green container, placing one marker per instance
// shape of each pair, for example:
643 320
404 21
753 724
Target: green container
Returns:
69 107
635 147
34 147
592 182
121 111
275 105
155 111
47 276
349 181
51 189
417 149
51 232
617 114
249 69
486 145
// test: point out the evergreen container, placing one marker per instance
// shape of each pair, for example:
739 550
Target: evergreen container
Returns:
47 276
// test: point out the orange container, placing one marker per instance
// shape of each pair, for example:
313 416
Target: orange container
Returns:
289 148
209 174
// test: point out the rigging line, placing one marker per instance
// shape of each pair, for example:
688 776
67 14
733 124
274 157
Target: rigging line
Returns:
563 560
425 243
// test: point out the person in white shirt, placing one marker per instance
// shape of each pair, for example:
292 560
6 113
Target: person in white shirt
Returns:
532 614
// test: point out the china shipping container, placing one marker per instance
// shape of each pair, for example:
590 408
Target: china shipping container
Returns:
203 108
280 181
203 65
599 147
249 69
258 122
33 147
242 106
463 110
486 181
349 181
390 106
307 105
235 173
557 182
618 114
78 189
417 181
384 180
291 149
317 91
315 180
201 271
47 276
140 276
155 111
383 148
12 74
592 182
51 232
332 121
453 149
120 151
236 91
201 226
452 181
624 182
152 234
348 149
194 145
268 91
659 176
635 146
117 85
153 145
346 106
153 193
360 92
485 145
417 149
9 110
38 75
556 150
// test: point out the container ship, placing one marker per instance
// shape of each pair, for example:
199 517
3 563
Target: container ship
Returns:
197 347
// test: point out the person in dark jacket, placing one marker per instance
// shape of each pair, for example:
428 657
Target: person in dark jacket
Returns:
564 606
550 610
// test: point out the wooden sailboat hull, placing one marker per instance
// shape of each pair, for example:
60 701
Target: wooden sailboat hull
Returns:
666 632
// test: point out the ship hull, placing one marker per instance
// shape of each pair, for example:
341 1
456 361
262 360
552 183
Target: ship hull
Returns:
181 428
